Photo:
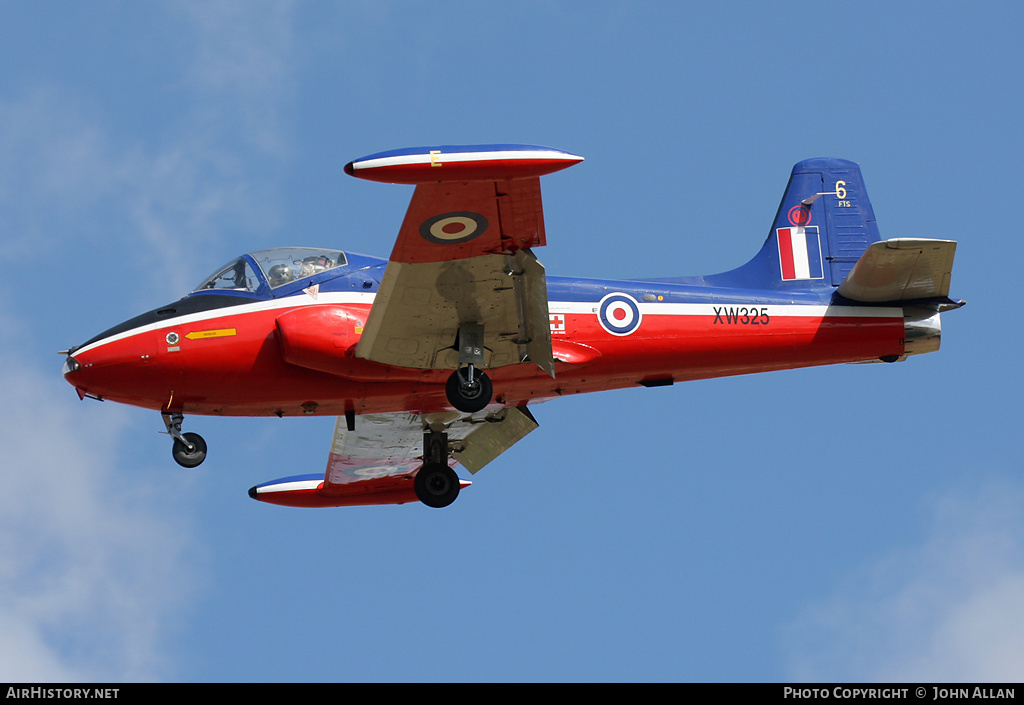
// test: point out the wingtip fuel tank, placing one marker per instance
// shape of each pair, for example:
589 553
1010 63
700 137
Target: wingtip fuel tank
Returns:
420 165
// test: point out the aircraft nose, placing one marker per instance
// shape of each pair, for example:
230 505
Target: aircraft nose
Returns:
71 370
71 365
92 370
123 368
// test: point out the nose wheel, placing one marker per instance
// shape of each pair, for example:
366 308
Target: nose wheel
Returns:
189 449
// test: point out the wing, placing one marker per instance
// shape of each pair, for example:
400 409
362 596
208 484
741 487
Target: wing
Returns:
462 276
461 285
375 458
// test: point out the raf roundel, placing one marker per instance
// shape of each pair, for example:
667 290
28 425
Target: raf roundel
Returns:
373 471
453 228
800 214
619 314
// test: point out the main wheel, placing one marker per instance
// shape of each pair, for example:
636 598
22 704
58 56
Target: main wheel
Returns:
469 397
189 458
436 485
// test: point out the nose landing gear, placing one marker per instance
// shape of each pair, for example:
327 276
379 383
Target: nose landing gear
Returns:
189 449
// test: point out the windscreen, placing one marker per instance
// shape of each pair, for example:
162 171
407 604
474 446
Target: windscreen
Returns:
237 275
283 265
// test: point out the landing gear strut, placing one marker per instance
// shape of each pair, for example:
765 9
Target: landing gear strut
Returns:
189 449
436 484
468 389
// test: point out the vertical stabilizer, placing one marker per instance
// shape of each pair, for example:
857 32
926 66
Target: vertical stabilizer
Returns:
824 224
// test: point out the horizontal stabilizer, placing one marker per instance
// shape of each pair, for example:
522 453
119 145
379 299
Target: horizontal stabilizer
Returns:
902 269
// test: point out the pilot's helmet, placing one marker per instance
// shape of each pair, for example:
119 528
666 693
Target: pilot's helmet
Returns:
281 274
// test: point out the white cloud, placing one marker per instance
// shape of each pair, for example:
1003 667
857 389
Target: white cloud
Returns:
94 569
948 609
73 179
70 188
243 58
92 572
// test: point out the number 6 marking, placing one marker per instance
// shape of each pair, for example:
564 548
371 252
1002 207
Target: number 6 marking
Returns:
841 190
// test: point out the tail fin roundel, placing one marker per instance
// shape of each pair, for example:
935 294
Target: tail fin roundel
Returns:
823 226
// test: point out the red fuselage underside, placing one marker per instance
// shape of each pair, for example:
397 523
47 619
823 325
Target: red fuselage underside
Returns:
232 364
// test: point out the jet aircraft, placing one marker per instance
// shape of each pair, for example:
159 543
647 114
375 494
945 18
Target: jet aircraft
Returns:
431 358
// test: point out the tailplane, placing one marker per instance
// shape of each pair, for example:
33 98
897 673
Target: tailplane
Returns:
903 269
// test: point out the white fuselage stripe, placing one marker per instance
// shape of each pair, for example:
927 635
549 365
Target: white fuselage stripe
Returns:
572 307
347 297
712 309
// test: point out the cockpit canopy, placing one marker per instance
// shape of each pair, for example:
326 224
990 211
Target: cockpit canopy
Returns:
274 268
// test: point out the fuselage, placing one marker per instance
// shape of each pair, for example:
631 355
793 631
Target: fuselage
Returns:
289 350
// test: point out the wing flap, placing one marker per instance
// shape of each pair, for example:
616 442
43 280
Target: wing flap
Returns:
531 288
492 438
901 269
416 316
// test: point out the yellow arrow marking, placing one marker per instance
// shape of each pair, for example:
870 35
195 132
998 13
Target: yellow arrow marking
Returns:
202 334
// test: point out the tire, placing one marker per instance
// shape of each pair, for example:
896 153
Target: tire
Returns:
469 399
436 485
189 458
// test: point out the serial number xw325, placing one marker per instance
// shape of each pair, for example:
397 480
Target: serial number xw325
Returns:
744 315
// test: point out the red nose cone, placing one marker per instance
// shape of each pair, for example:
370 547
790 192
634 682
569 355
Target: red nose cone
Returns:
121 368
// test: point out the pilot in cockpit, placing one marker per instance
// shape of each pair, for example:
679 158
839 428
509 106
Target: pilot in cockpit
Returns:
280 274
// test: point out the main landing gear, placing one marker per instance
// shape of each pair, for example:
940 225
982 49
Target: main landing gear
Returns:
436 484
468 389
189 449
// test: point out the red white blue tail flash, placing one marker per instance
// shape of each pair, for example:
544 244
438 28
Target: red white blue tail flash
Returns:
800 253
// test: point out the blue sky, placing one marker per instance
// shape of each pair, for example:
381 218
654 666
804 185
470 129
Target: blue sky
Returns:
859 522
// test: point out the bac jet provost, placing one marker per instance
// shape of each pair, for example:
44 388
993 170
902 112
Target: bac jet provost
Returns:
431 358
